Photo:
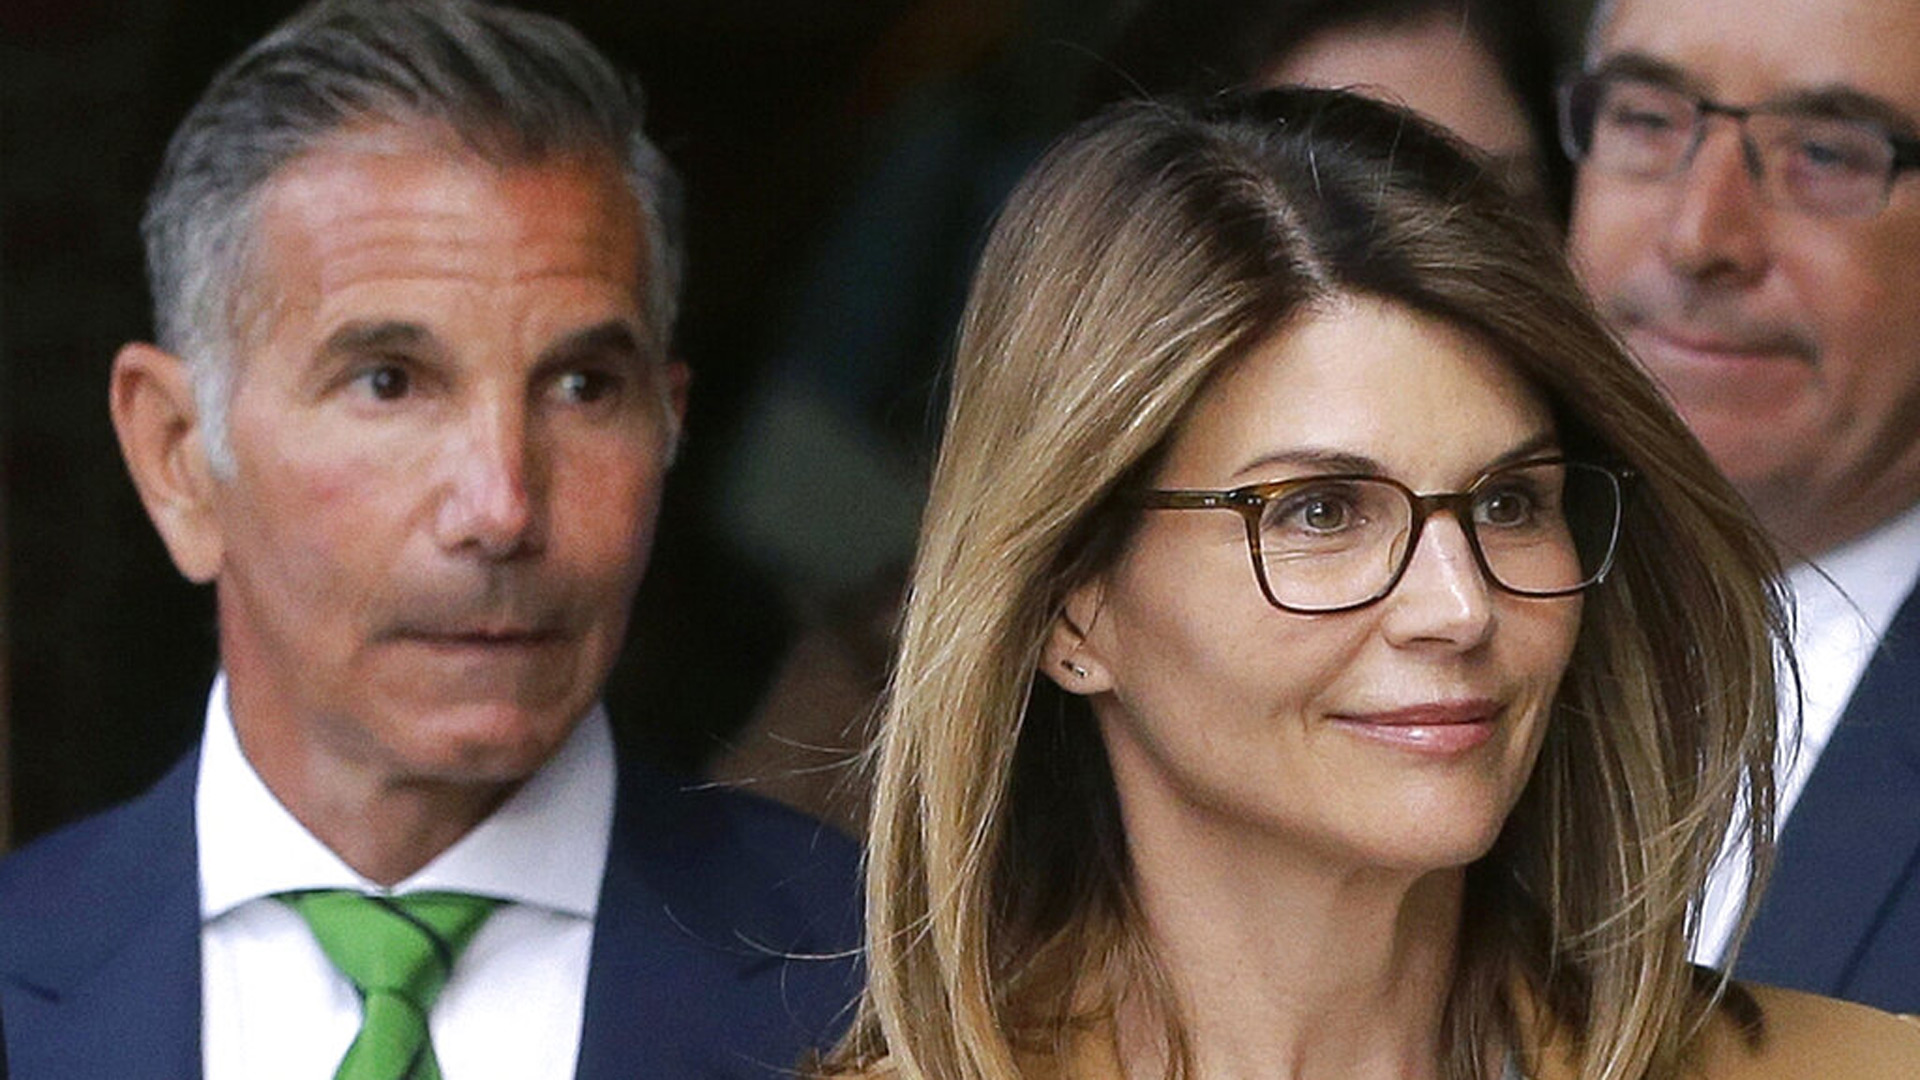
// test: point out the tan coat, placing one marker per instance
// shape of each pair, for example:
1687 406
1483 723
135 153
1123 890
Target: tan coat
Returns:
1813 1038
1806 1038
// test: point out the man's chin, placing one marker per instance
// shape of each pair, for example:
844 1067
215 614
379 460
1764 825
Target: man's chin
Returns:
485 744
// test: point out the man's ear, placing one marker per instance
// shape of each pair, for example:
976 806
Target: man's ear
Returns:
158 424
1069 657
675 377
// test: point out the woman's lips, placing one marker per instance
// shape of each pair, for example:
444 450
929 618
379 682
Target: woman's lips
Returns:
1437 729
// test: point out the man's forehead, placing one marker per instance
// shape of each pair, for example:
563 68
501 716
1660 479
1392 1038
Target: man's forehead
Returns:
387 225
1748 51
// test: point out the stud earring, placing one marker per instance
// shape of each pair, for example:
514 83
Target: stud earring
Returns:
1078 671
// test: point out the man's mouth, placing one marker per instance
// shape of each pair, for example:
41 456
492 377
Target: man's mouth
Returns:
1715 347
484 638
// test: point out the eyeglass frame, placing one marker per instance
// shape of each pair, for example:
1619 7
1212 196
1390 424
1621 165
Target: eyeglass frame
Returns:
1904 150
1250 502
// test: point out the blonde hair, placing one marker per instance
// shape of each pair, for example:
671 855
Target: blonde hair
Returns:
1149 250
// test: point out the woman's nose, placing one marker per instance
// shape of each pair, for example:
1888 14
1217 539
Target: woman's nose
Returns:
1443 598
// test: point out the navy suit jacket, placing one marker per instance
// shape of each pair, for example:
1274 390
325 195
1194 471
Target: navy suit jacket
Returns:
1842 914
724 946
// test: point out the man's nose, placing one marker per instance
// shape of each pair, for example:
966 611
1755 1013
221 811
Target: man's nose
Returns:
1716 225
490 506
1443 599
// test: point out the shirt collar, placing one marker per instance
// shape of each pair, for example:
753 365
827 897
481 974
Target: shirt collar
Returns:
1865 579
545 846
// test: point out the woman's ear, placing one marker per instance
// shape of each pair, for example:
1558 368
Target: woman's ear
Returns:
1069 657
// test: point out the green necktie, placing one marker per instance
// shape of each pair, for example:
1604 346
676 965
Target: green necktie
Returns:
398 951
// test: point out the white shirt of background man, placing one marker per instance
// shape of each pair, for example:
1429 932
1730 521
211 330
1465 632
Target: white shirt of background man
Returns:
1843 603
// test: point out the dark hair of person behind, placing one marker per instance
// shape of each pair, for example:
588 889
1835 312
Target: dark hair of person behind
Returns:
1199 47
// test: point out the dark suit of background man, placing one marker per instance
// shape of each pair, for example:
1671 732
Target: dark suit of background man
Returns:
1748 216
410 412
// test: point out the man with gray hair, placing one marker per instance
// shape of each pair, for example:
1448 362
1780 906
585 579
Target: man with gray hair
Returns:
1747 215
410 413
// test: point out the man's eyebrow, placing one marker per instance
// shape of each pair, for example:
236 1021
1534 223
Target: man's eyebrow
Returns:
1641 66
376 336
1841 102
613 338
1838 101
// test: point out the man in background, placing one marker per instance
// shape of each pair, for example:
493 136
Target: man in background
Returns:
1747 215
410 413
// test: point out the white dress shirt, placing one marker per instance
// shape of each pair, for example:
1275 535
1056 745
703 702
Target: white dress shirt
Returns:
276 1007
1843 603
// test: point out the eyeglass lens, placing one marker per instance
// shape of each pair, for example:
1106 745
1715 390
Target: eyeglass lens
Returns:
1823 165
1541 529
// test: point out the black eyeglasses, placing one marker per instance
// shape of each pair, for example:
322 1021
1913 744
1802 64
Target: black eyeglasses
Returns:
1829 166
1544 527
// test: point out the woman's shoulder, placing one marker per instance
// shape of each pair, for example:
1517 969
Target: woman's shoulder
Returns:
1805 1035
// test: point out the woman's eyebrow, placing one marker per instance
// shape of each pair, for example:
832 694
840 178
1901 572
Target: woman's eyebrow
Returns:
1325 460
1312 459
1541 442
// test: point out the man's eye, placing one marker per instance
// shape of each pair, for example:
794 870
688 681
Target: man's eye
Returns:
386 382
1648 120
1844 153
586 387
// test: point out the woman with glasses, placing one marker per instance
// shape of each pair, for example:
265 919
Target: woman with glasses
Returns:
1327 656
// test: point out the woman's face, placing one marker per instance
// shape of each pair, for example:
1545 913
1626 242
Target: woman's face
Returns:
1395 736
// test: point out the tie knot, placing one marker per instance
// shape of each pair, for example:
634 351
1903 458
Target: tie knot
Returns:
403 945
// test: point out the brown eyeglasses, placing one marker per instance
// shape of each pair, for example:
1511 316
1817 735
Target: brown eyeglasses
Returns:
1543 527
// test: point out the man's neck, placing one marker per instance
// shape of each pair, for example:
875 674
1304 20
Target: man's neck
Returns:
1806 530
384 828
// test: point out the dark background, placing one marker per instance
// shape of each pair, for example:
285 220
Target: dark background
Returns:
782 115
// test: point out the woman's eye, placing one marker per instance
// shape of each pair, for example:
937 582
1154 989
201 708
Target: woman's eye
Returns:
1323 515
1504 508
1312 513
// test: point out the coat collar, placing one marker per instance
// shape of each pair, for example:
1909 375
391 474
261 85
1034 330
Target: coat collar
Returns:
109 984
725 945
1853 835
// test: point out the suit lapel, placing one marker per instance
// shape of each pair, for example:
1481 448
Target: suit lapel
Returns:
110 983
632 979
662 985
1853 836
707 900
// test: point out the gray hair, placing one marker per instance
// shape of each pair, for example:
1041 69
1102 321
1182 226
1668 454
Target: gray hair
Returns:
1597 21
513 86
